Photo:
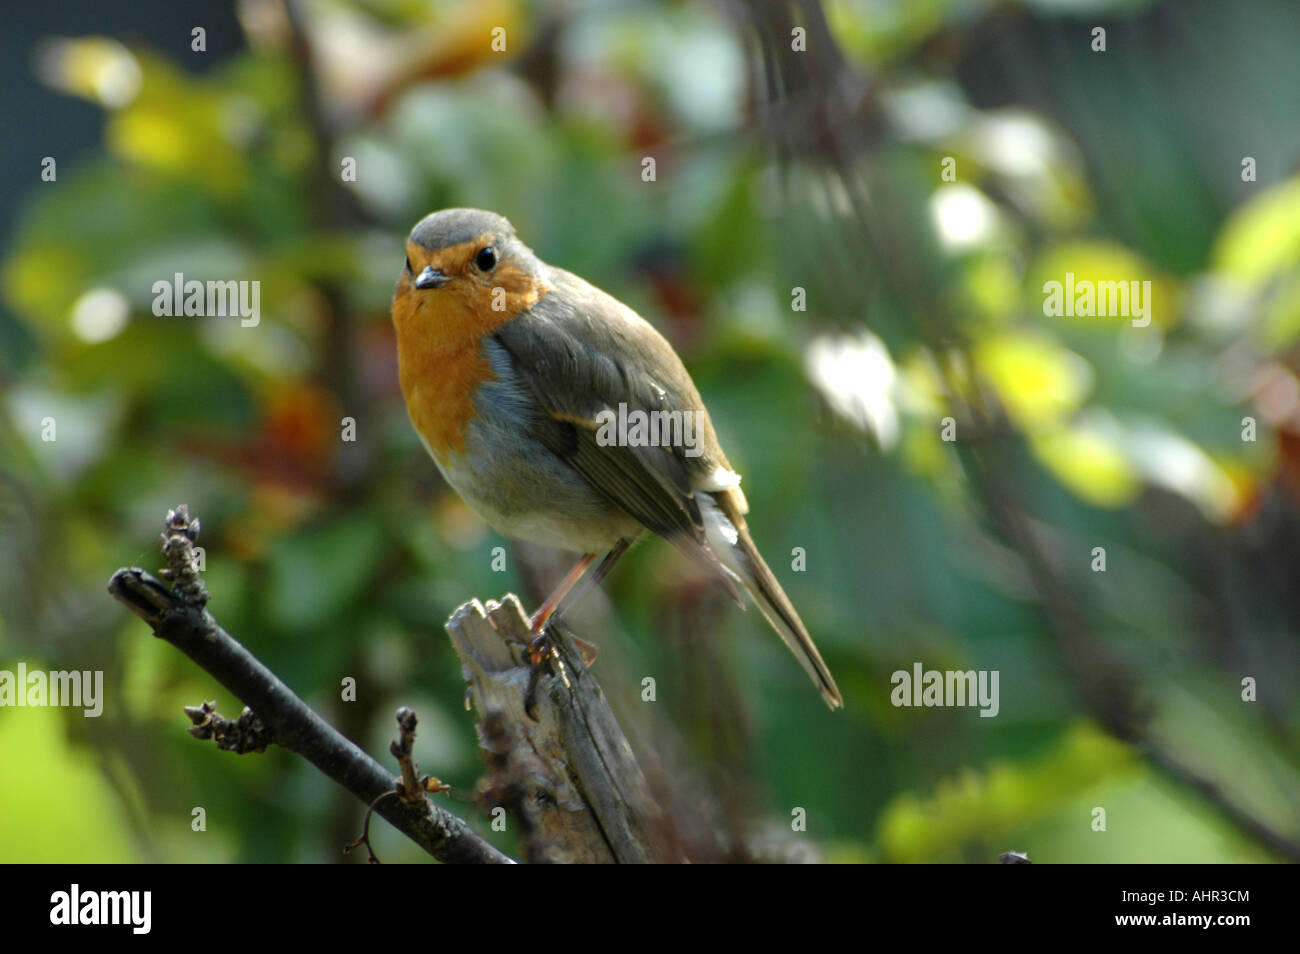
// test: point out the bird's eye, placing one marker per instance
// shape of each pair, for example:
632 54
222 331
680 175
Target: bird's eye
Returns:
408 263
486 259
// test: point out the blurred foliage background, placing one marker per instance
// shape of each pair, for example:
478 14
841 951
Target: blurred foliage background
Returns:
776 169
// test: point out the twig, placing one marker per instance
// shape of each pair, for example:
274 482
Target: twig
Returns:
409 790
413 787
364 837
293 724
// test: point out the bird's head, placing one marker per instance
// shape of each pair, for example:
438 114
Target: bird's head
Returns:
466 274
470 258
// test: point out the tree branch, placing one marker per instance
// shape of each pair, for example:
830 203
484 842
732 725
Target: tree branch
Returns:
569 775
177 614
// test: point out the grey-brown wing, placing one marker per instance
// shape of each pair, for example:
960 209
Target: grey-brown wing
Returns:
580 356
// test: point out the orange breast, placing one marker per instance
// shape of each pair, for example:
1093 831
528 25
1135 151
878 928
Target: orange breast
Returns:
440 364
441 401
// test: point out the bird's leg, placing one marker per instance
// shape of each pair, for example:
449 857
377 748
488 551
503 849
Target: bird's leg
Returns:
541 647
605 566
540 650
538 620
589 650
571 597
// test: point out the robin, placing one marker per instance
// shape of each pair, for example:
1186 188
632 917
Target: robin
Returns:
564 418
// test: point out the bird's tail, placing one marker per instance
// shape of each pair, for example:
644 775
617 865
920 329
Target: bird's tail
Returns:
731 543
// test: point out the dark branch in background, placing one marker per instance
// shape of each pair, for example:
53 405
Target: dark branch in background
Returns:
843 133
177 614
1209 790
333 209
1107 690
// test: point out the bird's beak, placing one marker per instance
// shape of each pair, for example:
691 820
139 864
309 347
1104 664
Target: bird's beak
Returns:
431 278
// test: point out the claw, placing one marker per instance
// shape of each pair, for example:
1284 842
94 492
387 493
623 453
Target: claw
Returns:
540 654
588 650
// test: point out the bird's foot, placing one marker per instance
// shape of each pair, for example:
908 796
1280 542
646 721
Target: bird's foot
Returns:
540 655
589 650
541 650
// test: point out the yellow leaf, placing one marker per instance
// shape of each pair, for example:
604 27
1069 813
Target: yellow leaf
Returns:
1094 282
1089 463
55 807
1038 381
1262 237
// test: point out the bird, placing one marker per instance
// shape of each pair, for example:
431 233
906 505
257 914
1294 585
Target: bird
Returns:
531 390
